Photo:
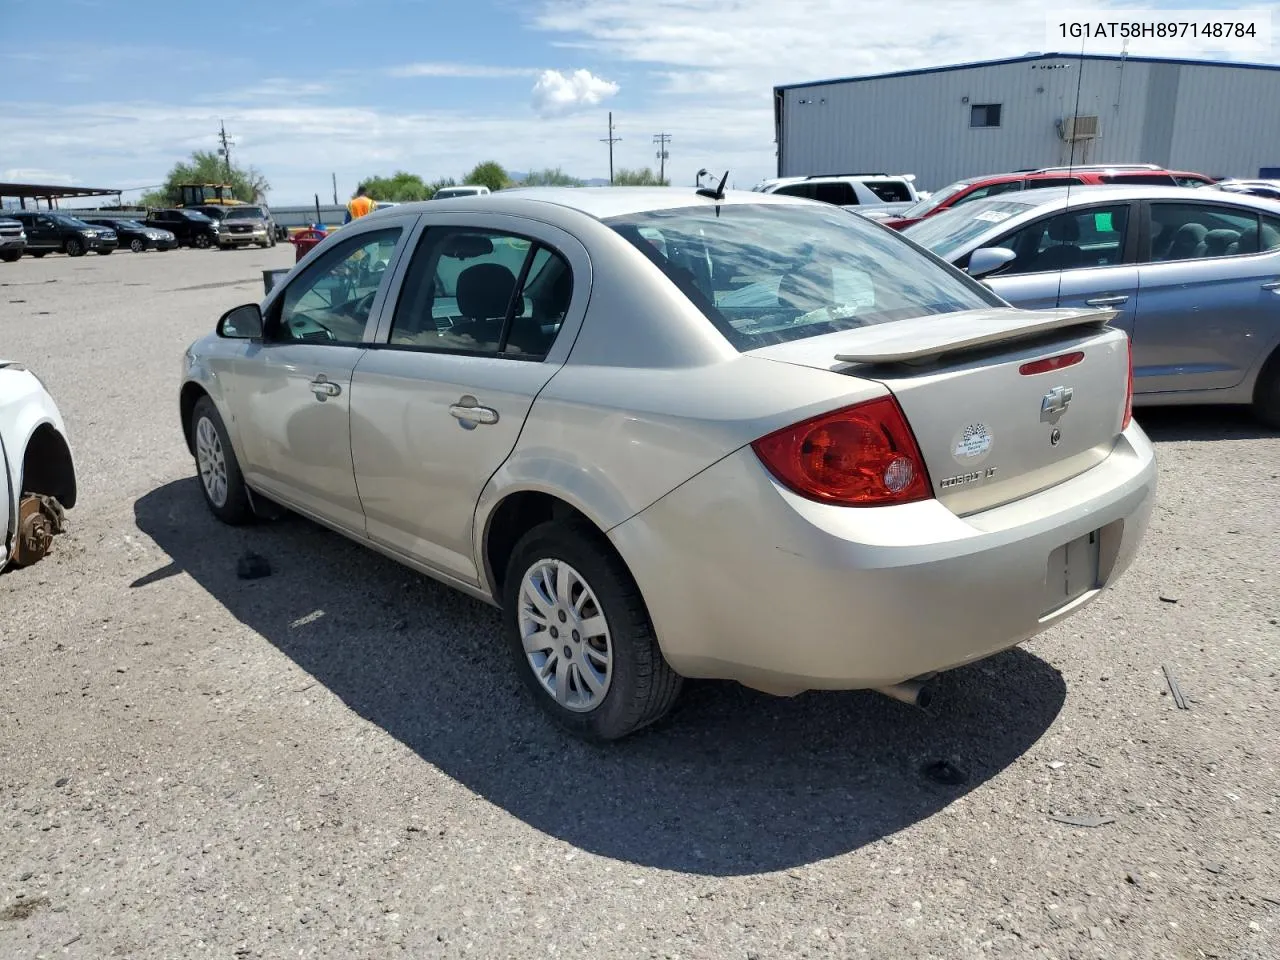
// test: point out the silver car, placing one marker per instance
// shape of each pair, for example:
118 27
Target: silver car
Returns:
683 435
1194 276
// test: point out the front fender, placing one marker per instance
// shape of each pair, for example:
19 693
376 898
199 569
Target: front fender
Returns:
25 406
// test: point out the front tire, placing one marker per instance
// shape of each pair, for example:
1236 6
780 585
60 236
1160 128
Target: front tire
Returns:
74 248
217 467
580 634
201 242
137 246
1266 395
11 256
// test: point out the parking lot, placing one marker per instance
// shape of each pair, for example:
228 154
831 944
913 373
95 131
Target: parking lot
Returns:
337 760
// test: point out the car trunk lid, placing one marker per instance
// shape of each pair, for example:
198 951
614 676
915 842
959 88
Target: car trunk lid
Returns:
1003 402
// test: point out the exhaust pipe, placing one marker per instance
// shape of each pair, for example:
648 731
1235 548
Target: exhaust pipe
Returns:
917 692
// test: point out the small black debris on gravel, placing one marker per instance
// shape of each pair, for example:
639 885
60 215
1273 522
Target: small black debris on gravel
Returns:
940 771
62 781
253 567
1164 599
1081 820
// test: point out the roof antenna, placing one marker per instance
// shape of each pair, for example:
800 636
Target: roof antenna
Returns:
717 192
1075 114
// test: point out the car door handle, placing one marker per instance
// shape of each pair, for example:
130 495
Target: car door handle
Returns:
323 387
469 410
1271 285
1107 301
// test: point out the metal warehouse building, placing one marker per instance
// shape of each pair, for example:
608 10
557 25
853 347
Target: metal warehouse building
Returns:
947 123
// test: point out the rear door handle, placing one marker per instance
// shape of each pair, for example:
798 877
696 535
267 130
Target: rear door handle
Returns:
469 411
1107 301
1271 285
324 388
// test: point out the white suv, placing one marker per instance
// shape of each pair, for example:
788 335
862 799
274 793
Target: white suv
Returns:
878 190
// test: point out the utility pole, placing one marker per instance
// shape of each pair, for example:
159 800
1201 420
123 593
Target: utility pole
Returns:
611 140
662 140
335 189
227 143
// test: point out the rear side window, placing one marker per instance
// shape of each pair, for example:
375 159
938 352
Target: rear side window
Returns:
1197 231
1141 179
766 274
835 191
890 191
796 190
1041 182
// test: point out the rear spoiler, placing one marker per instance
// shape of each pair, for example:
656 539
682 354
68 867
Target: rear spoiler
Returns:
932 336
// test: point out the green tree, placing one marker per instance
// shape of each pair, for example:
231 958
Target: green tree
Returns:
638 178
550 178
441 184
205 166
488 173
400 187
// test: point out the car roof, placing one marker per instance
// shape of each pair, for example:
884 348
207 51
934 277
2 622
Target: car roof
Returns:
600 203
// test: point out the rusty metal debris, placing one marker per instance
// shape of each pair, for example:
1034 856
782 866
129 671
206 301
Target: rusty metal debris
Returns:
40 519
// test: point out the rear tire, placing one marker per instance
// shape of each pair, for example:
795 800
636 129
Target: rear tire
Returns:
201 242
217 467
137 246
567 589
74 248
1266 395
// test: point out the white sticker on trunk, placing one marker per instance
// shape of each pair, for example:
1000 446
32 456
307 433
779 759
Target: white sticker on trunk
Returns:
972 444
992 216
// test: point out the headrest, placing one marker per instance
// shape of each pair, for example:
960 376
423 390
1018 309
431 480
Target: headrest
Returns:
484 290
1064 229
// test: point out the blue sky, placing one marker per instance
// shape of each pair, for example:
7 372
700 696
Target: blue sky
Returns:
113 93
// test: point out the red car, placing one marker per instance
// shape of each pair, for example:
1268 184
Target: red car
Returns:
977 188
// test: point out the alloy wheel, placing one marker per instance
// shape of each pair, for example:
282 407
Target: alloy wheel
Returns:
566 638
211 461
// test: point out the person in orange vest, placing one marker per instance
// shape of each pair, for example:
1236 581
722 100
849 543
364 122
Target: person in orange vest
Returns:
360 205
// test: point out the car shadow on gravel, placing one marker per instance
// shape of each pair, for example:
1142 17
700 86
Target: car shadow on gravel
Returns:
1223 422
735 782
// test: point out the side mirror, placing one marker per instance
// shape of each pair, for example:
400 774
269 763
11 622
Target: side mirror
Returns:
241 323
987 260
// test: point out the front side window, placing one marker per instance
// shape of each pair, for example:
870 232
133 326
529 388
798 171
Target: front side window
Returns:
330 302
1195 231
1072 240
770 274
984 115
482 292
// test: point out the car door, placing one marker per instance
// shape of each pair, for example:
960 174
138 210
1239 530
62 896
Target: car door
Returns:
290 393
43 233
1208 296
1082 257
484 317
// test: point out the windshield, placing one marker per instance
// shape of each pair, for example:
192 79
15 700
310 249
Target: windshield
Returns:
765 273
921 207
244 213
952 229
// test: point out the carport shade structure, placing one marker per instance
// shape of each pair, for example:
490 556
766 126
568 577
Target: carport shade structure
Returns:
50 193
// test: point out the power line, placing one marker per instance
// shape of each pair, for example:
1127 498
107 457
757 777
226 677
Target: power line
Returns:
611 140
662 139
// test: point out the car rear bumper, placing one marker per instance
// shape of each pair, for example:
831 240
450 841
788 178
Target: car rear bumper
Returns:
745 580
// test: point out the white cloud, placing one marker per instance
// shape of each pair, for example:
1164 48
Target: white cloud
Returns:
558 93
477 71
36 175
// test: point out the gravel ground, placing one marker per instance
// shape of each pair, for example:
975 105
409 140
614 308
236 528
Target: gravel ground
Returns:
337 762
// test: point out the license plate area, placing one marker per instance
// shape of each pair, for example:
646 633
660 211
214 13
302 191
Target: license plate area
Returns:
1072 571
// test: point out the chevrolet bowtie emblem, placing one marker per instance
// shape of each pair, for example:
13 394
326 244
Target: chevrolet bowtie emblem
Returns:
1054 404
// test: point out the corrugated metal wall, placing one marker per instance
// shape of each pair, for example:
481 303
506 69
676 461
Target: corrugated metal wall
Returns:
1215 119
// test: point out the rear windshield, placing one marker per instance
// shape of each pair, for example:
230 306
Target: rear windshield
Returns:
952 229
934 200
766 273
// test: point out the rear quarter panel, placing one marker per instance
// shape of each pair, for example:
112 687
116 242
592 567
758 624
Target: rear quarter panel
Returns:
24 406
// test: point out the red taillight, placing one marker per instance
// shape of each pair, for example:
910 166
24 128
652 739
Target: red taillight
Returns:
861 456
1128 393
1051 363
